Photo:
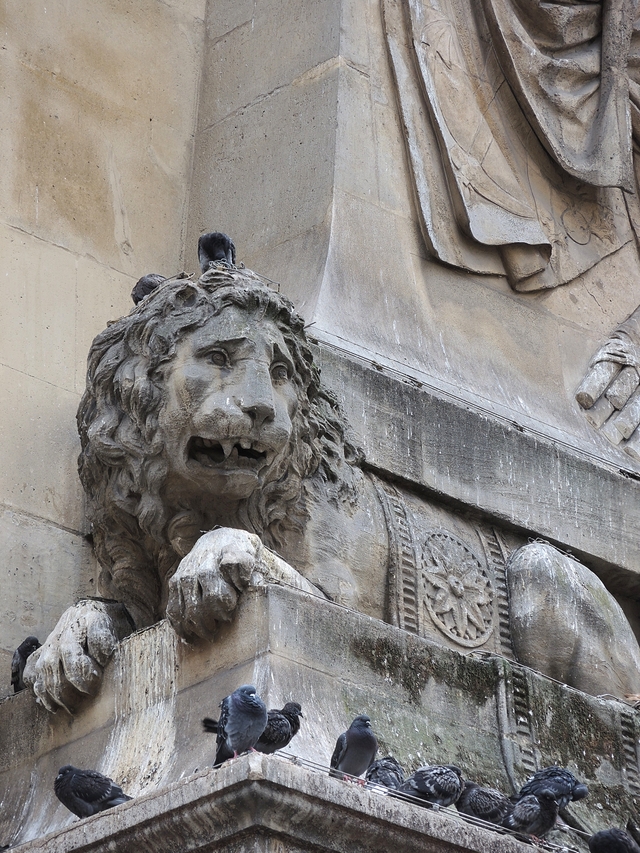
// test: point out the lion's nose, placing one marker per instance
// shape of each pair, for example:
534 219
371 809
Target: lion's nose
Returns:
256 400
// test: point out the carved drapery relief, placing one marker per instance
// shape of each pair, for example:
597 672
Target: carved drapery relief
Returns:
518 126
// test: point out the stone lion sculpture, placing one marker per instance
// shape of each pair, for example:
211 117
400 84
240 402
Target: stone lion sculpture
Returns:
213 460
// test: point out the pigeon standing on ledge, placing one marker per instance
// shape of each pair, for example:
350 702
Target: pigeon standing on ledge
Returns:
214 248
612 841
534 814
243 717
18 661
439 784
386 772
282 726
87 792
484 803
561 781
355 749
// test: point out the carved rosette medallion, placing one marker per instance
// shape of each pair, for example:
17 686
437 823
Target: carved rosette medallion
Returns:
456 590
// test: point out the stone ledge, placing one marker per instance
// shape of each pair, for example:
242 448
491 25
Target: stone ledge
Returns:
262 802
484 462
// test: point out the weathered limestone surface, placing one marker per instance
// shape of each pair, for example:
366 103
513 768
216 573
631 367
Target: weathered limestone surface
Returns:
496 720
98 126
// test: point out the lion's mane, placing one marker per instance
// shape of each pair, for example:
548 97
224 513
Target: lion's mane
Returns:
138 538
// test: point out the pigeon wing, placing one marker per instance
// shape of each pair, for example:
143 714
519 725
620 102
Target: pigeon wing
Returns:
17 667
223 750
525 812
276 735
339 751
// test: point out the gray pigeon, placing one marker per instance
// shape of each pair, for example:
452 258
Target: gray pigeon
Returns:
613 841
534 814
18 661
561 781
355 749
146 285
243 717
214 248
282 726
439 784
87 792
386 772
484 803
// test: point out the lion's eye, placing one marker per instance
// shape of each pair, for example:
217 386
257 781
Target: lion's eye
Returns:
219 358
280 372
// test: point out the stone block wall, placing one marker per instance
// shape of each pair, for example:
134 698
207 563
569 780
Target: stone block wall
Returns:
99 105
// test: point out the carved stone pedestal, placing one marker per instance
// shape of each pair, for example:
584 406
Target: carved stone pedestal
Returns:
496 720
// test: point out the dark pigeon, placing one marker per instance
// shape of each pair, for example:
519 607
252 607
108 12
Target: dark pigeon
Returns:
146 285
439 784
355 749
282 726
214 248
386 772
87 792
243 717
534 814
561 781
613 841
18 661
483 803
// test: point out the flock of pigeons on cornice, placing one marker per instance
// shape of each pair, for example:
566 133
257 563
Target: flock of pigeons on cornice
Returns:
245 724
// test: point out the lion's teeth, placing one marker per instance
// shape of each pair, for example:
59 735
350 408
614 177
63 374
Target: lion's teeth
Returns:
245 444
227 447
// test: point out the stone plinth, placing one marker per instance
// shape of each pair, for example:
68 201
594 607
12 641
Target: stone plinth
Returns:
428 704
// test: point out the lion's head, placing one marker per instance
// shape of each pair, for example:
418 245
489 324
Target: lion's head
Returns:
203 407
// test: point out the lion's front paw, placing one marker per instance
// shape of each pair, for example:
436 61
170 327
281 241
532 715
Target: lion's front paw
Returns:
71 660
204 590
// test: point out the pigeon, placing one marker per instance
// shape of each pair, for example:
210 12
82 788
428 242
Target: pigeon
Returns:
484 803
146 285
534 814
386 772
282 726
561 781
439 784
355 749
18 661
243 717
87 792
613 841
214 248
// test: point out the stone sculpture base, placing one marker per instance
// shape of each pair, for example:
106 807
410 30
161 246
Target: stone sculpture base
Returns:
496 720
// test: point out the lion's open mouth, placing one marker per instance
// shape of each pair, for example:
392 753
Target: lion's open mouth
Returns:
242 452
